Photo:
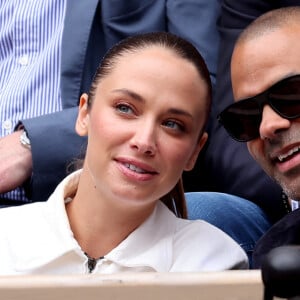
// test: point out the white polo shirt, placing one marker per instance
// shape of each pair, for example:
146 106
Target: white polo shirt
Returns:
37 239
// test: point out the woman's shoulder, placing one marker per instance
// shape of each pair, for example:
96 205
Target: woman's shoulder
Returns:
201 232
17 219
206 247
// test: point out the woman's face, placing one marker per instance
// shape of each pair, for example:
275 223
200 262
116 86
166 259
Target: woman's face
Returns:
143 127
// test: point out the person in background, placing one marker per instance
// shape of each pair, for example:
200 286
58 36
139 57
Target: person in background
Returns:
145 123
265 72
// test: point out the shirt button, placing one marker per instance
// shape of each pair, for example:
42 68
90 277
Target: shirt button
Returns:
23 60
7 125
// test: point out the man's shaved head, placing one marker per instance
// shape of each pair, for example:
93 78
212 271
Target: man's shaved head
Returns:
270 21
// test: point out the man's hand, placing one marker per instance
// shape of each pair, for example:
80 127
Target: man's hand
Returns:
15 162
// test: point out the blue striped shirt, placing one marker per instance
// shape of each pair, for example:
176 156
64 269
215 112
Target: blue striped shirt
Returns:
30 53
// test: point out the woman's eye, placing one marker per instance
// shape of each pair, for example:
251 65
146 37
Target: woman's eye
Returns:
174 125
123 108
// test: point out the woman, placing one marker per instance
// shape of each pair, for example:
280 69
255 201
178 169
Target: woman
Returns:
144 118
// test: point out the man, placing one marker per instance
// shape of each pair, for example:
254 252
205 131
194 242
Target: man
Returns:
265 70
78 34
236 162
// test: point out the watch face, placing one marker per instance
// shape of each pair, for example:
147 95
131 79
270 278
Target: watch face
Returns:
25 140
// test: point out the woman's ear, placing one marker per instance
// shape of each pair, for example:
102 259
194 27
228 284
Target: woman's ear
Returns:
82 121
192 161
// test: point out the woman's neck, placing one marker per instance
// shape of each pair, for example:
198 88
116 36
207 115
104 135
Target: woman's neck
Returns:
97 225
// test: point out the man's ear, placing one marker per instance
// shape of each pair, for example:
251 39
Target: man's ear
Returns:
82 121
192 161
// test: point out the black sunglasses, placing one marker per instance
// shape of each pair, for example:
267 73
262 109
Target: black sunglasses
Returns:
242 119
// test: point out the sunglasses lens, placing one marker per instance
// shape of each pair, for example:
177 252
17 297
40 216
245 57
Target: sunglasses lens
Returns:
242 120
285 97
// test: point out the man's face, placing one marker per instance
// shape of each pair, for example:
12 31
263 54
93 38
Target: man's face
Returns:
256 66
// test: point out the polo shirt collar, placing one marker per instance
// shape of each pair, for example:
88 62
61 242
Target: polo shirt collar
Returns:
150 245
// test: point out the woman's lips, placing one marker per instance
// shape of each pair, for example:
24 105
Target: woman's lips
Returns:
136 170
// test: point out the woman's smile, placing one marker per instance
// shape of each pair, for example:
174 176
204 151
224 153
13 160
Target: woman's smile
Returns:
134 170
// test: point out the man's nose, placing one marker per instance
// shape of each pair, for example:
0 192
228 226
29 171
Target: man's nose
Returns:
272 123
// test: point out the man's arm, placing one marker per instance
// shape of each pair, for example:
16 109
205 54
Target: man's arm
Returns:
16 162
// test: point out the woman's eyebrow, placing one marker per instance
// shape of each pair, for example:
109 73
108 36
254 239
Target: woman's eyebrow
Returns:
134 95
177 111
130 94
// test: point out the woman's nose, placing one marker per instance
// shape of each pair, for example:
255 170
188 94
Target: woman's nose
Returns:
144 139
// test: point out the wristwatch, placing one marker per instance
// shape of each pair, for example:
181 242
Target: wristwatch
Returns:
24 140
